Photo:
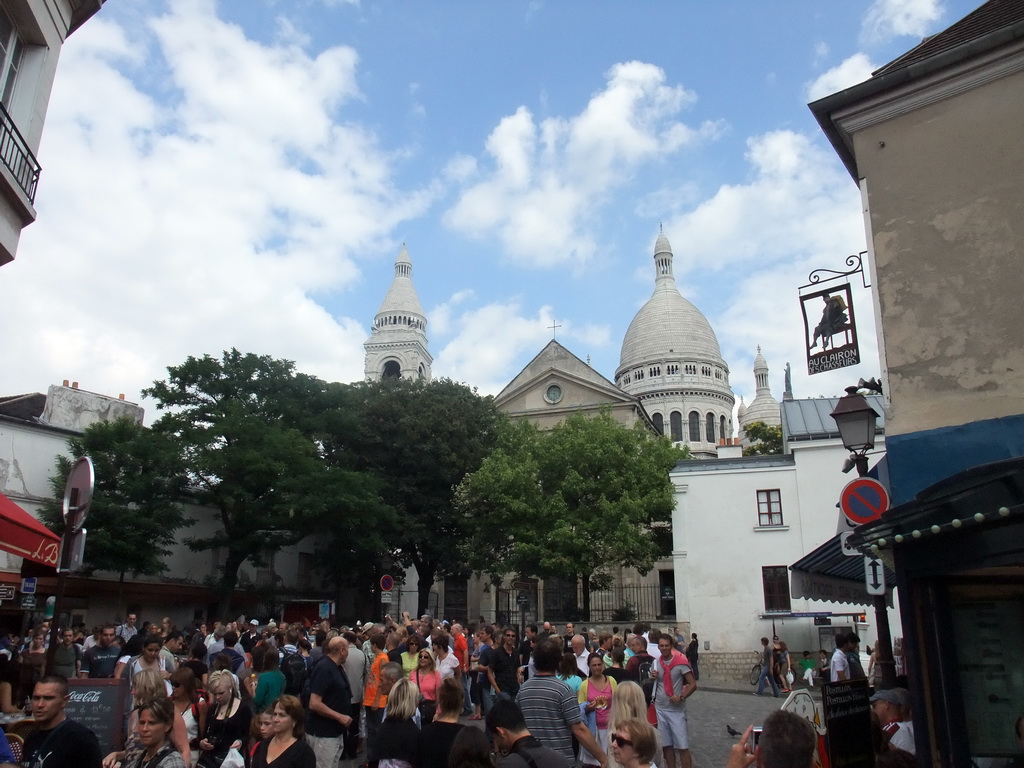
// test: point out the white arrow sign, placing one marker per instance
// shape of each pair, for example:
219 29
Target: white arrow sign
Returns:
874 575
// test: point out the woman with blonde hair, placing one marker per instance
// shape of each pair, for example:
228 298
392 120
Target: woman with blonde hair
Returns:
227 723
628 703
398 735
427 679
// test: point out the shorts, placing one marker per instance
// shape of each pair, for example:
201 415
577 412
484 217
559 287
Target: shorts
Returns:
672 728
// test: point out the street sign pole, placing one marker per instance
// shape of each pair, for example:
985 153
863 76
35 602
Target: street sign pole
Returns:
77 498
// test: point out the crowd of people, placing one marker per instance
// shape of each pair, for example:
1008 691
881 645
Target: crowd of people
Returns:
390 695
394 694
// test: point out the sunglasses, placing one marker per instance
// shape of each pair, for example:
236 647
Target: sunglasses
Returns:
621 741
424 656
175 685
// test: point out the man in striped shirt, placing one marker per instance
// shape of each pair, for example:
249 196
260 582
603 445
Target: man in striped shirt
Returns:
550 708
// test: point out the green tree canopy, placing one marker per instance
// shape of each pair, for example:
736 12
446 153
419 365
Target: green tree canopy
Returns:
764 440
136 509
571 502
244 428
420 440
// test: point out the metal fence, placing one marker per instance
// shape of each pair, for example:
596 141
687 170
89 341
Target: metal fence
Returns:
619 604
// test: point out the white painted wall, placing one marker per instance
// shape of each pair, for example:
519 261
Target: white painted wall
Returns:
719 549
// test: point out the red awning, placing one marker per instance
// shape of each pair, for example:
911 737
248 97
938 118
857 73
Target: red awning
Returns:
23 535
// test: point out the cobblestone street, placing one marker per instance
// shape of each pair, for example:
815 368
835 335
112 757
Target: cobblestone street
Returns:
710 710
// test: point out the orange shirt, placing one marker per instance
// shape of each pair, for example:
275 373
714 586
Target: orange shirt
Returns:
370 697
462 652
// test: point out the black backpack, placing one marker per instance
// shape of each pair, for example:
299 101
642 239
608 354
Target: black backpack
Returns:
293 666
304 694
644 674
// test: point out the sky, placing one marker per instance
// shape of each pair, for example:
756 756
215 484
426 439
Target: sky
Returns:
244 173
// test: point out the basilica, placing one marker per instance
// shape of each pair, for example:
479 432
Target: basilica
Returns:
671 373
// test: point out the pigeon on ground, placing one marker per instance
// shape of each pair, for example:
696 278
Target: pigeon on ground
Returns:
732 731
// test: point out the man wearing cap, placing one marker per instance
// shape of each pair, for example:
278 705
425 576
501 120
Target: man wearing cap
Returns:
893 710
251 636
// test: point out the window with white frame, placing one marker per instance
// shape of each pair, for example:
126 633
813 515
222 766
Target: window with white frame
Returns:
769 508
12 52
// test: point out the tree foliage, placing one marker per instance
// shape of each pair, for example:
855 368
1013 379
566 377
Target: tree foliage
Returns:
245 430
571 502
764 439
136 509
420 439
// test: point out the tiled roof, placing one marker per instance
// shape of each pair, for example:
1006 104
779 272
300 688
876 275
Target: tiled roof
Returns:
990 17
26 407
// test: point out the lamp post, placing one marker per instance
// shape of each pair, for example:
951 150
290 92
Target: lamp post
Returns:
858 422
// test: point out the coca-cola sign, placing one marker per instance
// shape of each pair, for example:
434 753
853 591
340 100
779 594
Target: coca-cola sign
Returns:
85 696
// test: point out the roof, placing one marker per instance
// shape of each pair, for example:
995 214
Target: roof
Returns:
668 326
401 297
28 407
811 419
991 17
994 24
739 462
555 357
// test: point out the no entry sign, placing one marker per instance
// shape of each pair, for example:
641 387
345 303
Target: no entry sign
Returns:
863 500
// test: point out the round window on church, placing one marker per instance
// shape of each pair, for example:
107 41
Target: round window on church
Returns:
553 393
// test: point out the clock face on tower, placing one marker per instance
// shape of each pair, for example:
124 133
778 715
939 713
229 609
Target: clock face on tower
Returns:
553 393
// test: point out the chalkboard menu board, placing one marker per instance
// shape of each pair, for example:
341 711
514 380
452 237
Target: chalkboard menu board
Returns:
848 724
100 705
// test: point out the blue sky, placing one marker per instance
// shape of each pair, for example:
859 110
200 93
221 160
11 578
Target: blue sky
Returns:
243 173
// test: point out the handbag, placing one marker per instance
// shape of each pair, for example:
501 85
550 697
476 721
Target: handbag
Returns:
427 707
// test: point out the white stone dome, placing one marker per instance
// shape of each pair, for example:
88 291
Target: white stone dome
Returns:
668 325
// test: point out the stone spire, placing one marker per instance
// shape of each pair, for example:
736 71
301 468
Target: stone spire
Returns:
398 340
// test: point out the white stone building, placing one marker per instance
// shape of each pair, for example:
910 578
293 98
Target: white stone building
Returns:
740 522
397 346
672 363
763 408
31 35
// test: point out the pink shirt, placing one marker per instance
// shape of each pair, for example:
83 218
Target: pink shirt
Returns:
427 684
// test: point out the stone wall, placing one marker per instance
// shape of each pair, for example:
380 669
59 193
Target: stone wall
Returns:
726 667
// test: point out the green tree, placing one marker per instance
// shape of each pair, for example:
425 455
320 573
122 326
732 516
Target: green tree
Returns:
421 439
243 426
136 509
764 440
571 502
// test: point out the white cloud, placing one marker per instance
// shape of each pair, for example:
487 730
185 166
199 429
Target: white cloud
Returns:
440 318
205 222
886 19
490 342
798 201
548 181
855 69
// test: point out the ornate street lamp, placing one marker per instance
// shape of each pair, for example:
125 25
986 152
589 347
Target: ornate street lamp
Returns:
857 422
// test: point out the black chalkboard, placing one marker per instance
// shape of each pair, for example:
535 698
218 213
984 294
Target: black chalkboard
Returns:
100 705
848 723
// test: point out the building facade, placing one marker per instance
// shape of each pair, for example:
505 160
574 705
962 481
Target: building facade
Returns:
31 35
933 140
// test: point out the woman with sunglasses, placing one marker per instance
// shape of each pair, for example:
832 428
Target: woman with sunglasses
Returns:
595 697
286 748
634 744
411 657
189 706
427 679
628 703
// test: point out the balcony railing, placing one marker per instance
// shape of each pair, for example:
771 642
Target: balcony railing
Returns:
15 154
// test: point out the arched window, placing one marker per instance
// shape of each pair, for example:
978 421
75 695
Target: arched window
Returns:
710 428
694 427
721 431
675 420
659 423
392 370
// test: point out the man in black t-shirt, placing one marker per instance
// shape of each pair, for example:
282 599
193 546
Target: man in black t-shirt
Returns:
101 659
330 702
59 742
505 664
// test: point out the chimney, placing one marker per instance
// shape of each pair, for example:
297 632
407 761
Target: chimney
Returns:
65 383
74 385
